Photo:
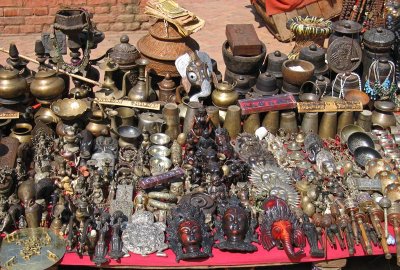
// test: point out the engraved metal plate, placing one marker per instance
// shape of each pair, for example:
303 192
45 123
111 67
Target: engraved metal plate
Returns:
52 249
330 106
124 193
344 54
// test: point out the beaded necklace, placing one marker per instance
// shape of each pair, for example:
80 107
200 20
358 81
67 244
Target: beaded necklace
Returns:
343 79
385 89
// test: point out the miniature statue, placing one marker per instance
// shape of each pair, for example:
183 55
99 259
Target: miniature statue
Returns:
222 141
97 195
217 190
235 227
116 242
144 236
280 227
188 234
311 233
101 247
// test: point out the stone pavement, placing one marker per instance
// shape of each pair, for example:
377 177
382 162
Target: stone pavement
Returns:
216 13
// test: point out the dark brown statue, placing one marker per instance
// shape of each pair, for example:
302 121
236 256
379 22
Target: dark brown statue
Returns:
188 234
235 227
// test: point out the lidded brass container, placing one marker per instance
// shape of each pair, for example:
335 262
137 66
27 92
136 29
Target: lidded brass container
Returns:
167 89
47 85
12 85
224 95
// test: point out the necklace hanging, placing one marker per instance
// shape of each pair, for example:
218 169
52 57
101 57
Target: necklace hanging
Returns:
384 90
343 79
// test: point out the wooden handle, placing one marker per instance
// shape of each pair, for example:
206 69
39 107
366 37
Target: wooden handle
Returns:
397 234
365 237
59 70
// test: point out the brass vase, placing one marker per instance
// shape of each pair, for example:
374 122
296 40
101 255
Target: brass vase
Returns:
310 122
365 120
191 108
288 122
252 123
171 117
22 132
271 121
344 119
328 125
213 114
232 121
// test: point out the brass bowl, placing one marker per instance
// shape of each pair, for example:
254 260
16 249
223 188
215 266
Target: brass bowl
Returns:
160 164
359 139
357 95
69 108
348 130
159 151
160 139
298 77
363 154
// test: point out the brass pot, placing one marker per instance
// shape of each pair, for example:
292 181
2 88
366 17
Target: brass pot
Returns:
22 132
12 85
97 125
383 115
224 95
47 85
310 122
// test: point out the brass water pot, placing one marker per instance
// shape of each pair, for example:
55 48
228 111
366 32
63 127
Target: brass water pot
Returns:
22 132
12 85
98 124
47 85
224 95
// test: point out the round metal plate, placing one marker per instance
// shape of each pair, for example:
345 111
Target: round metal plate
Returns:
344 54
49 253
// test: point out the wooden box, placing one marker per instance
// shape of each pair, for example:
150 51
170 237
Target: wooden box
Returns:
276 24
243 40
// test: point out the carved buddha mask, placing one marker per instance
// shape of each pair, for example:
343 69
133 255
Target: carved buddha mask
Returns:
189 233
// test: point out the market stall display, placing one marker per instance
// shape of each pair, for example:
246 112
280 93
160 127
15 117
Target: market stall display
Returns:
192 170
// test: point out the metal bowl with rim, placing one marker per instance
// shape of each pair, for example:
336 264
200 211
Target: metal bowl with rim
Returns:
160 139
363 154
348 130
69 108
359 139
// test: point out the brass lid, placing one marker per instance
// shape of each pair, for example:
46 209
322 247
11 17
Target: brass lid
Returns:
167 83
347 27
378 37
224 86
45 73
7 73
385 106
124 53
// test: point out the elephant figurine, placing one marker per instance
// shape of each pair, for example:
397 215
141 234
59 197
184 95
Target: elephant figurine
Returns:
280 227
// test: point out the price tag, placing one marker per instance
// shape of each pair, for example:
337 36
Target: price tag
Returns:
129 103
330 106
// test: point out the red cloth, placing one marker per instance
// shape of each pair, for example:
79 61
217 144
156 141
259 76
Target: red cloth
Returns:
220 258
273 7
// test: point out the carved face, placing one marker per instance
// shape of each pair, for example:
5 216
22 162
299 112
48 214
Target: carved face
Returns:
176 188
190 233
197 72
235 224
281 229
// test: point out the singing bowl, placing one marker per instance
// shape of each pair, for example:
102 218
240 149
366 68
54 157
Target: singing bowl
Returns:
363 154
348 130
69 108
159 151
163 162
359 139
357 95
297 77
160 138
